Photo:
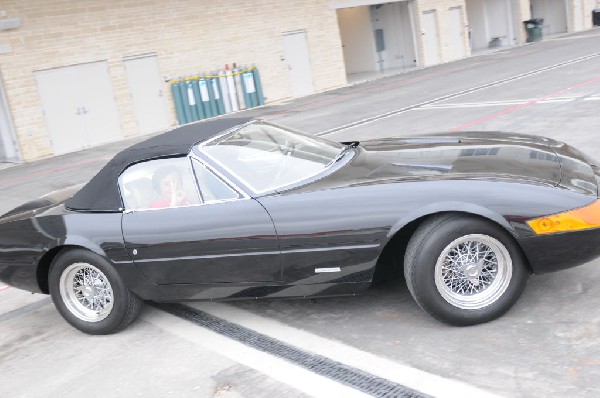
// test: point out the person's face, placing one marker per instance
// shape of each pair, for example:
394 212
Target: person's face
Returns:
170 184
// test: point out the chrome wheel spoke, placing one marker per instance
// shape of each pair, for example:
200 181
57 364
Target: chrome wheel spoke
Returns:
473 271
86 292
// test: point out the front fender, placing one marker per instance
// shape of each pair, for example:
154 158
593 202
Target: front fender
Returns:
451 206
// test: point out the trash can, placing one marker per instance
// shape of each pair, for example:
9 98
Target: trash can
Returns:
533 27
596 17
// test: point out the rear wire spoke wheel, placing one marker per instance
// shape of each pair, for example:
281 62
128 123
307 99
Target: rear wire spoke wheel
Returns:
86 292
464 270
89 293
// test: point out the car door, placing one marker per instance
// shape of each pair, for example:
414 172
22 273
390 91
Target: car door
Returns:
330 235
197 230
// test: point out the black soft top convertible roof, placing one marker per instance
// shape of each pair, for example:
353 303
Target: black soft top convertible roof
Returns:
102 192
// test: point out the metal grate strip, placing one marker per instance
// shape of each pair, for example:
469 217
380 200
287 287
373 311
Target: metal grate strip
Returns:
352 377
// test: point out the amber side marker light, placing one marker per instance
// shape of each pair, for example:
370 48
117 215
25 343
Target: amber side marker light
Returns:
574 220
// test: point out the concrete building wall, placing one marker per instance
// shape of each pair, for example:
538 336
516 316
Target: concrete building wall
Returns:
188 37
191 36
587 6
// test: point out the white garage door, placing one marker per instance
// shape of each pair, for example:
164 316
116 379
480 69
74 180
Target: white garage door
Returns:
79 106
430 38
296 53
457 37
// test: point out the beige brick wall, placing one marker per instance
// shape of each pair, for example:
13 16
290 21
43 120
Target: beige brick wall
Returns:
588 6
188 36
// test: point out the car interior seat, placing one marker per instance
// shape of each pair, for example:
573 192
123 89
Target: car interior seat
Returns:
139 193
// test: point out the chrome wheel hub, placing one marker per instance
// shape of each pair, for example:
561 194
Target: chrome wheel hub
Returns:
473 271
86 292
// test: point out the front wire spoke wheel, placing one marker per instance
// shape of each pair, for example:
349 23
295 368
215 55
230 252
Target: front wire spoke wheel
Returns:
86 292
463 269
473 271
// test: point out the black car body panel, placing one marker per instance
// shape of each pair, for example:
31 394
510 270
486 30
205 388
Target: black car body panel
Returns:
322 236
226 242
555 252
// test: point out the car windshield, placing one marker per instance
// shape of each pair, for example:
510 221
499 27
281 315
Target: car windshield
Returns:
267 157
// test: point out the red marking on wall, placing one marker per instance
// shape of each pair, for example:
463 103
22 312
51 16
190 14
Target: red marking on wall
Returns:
521 106
3 288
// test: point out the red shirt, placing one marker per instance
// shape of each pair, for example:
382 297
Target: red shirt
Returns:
163 203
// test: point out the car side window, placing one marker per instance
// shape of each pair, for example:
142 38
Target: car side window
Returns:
211 187
159 184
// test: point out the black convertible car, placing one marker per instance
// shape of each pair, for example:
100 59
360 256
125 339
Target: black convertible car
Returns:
236 208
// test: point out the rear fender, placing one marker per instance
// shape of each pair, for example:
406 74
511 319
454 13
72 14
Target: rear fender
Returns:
74 240
70 242
135 281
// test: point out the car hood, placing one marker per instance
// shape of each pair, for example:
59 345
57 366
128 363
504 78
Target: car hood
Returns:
469 155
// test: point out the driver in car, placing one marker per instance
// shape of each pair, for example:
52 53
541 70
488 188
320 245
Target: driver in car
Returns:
167 182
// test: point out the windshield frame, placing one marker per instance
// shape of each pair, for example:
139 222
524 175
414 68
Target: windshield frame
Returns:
332 166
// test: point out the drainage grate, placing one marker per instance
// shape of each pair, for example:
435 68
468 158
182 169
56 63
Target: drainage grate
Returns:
352 377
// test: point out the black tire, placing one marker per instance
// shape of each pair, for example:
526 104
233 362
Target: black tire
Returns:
443 298
118 306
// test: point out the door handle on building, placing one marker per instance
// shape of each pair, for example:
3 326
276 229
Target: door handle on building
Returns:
81 110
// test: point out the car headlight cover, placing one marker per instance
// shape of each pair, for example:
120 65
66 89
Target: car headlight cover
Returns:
574 220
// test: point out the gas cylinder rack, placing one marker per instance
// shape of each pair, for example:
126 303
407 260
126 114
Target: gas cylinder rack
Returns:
209 95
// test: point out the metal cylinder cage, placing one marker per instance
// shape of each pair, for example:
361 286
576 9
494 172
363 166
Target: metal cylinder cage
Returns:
209 95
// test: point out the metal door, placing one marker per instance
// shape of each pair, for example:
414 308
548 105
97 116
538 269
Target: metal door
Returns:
100 115
430 38
296 54
146 88
79 106
457 32
62 108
